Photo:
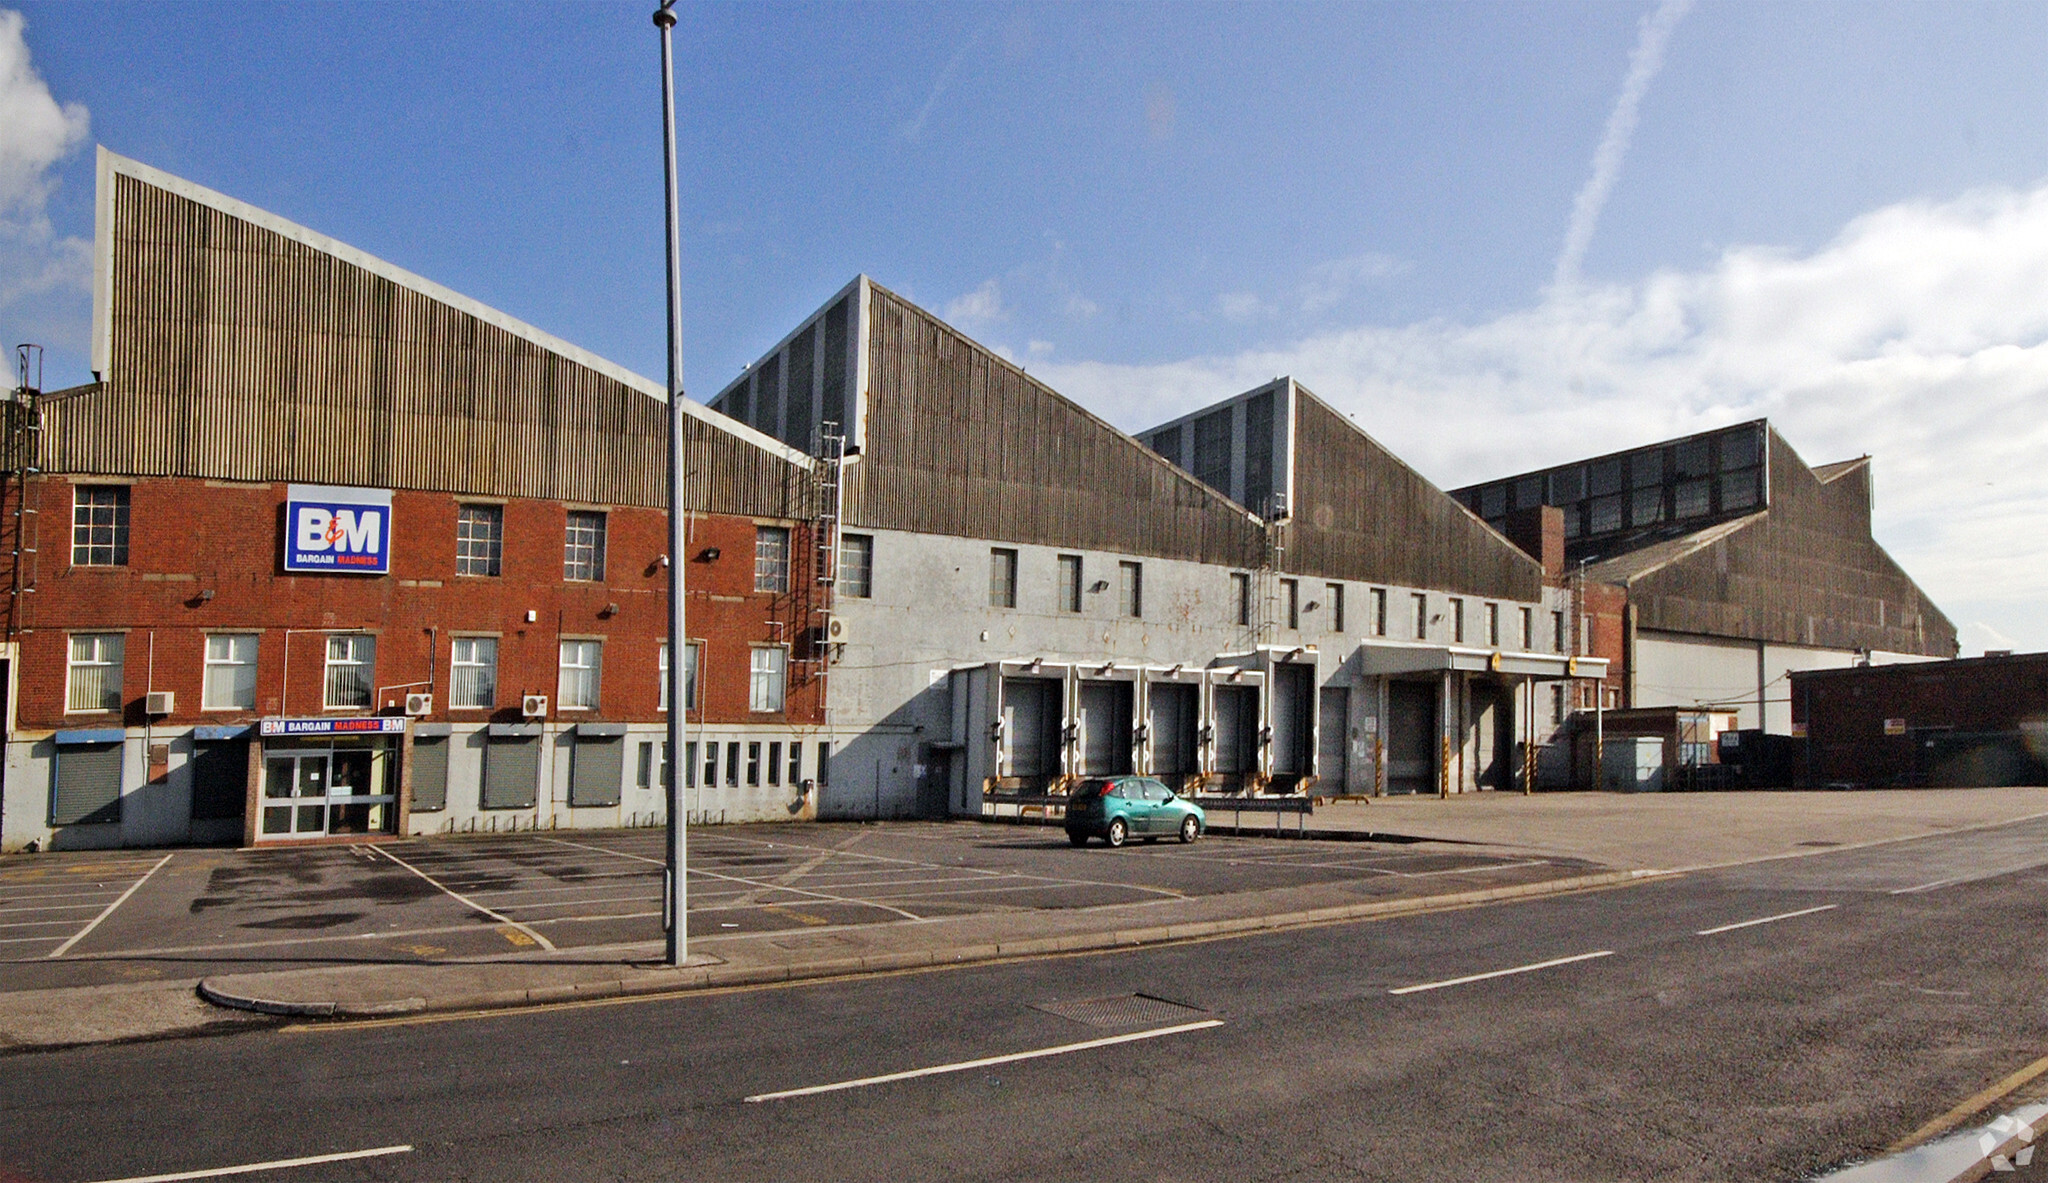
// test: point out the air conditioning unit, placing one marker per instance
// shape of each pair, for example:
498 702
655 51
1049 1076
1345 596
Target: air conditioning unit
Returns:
160 702
419 704
836 631
534 706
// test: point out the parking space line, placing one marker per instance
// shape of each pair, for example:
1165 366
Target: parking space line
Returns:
54 908
37 923
82 933
466 901
1501 973
1948 882
987 1061
274 1165
1707 932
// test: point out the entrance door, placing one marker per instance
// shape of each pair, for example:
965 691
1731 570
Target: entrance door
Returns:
1330 737
1411 737
314 794
1491 716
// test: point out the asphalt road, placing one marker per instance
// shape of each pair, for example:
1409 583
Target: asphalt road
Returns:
1899 980
79 919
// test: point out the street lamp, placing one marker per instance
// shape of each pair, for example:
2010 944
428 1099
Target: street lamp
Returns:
676 896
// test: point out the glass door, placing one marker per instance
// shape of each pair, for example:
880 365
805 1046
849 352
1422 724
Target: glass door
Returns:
295 795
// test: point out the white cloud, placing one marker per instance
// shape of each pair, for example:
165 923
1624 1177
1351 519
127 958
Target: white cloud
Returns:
1919 335
983 305
1643 63
1080 307
1329 284
1039 348
44 279
1243 306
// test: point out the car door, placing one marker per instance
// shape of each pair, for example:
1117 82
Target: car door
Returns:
1155 808
1131 803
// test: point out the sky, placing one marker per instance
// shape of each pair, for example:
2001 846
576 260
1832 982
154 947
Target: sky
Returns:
1498 235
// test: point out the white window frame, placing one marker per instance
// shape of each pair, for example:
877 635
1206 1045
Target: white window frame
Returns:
101 651
693 668
457 663
583 546
857 566
116 528
1071 579
581 659
768 679
1130 590
230 667
489 562
1002 577
352 660
771 559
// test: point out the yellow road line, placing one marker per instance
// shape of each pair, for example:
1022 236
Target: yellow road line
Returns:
1975 1103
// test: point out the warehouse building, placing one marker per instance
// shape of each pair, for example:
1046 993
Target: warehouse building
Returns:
326 550
1978 721
1709 569
1025 595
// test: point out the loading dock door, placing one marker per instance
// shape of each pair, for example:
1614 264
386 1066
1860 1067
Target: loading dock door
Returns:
1106 709
1294 696
1237 733
1031 728
1411 737
1492 737
1330 736
1172 727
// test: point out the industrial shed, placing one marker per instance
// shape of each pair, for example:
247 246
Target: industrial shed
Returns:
1976 721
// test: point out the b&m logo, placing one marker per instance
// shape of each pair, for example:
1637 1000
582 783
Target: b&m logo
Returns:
329 528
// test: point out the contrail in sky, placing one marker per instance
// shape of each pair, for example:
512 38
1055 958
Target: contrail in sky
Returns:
1643 64
915 128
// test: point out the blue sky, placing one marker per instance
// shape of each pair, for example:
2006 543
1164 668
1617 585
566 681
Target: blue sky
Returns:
1832 214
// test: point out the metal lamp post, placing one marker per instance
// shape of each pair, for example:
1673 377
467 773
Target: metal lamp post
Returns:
677 894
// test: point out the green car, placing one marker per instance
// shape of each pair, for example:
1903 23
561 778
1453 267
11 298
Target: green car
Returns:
1119 808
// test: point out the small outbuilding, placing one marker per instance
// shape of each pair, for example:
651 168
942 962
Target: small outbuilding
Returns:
1975 721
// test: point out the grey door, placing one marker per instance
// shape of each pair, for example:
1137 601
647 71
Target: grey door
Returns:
1491 742
1031 727
1172 730
1294 696
1237 732
1411 737
1330 739
1105 728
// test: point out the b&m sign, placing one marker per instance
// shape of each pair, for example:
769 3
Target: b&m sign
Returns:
329 528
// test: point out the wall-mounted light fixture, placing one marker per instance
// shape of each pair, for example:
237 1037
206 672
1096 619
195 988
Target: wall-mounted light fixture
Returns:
1100 585
708 555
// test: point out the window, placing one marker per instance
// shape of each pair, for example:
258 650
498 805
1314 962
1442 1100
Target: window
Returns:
1606 515
95 682
1379 612
1646 507
583 545
796 762
1290 601
1458 621
582 667
230 681
479 539
732 764
766 679
711 765
1241 596
1493 626
1738 490
1528 630
1646 469
1070 583
693 660
1567 485
1334 594
351 664
825 762
1557 632
857 565
1557 702
473 673
1493 501
1604 476
771 559
1690 500
774 763
1130 585
753 764
1421 617
1002 577
99 525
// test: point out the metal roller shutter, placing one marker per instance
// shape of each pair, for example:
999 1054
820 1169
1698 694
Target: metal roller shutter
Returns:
511 772
596 767
429 773
87 786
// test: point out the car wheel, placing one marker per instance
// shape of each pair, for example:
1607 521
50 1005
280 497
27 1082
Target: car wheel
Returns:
1190 829
1117 832
1077 838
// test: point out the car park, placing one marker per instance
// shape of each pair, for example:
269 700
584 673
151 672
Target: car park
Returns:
1117 809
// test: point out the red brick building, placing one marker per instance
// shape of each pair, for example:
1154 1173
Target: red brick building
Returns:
495 663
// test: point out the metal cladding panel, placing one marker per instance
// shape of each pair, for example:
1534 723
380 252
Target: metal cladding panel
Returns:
1805 573
511 772
960 442
87 785
596 769
429 773
240 354
1360 513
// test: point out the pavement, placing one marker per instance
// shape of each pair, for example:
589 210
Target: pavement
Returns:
1358 862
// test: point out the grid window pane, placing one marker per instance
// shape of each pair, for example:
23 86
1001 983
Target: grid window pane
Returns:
1690 501
766 680
693 657
857 565
771 559
95 673
351 665
1241 596
1002 578
583 546
1131 589
99 525
1334 594
230 681
479 539
1647 507
1070 583
473 680
582 663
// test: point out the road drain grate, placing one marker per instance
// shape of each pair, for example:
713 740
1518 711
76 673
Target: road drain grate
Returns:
1122 1010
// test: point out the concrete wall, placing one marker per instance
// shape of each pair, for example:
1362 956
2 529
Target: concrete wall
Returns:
1748 677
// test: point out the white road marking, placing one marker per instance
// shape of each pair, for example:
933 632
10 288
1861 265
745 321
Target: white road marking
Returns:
1500 973
466 901
766 886
1707 932
81 934
275 1165
57 908
1950 881
990 1061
